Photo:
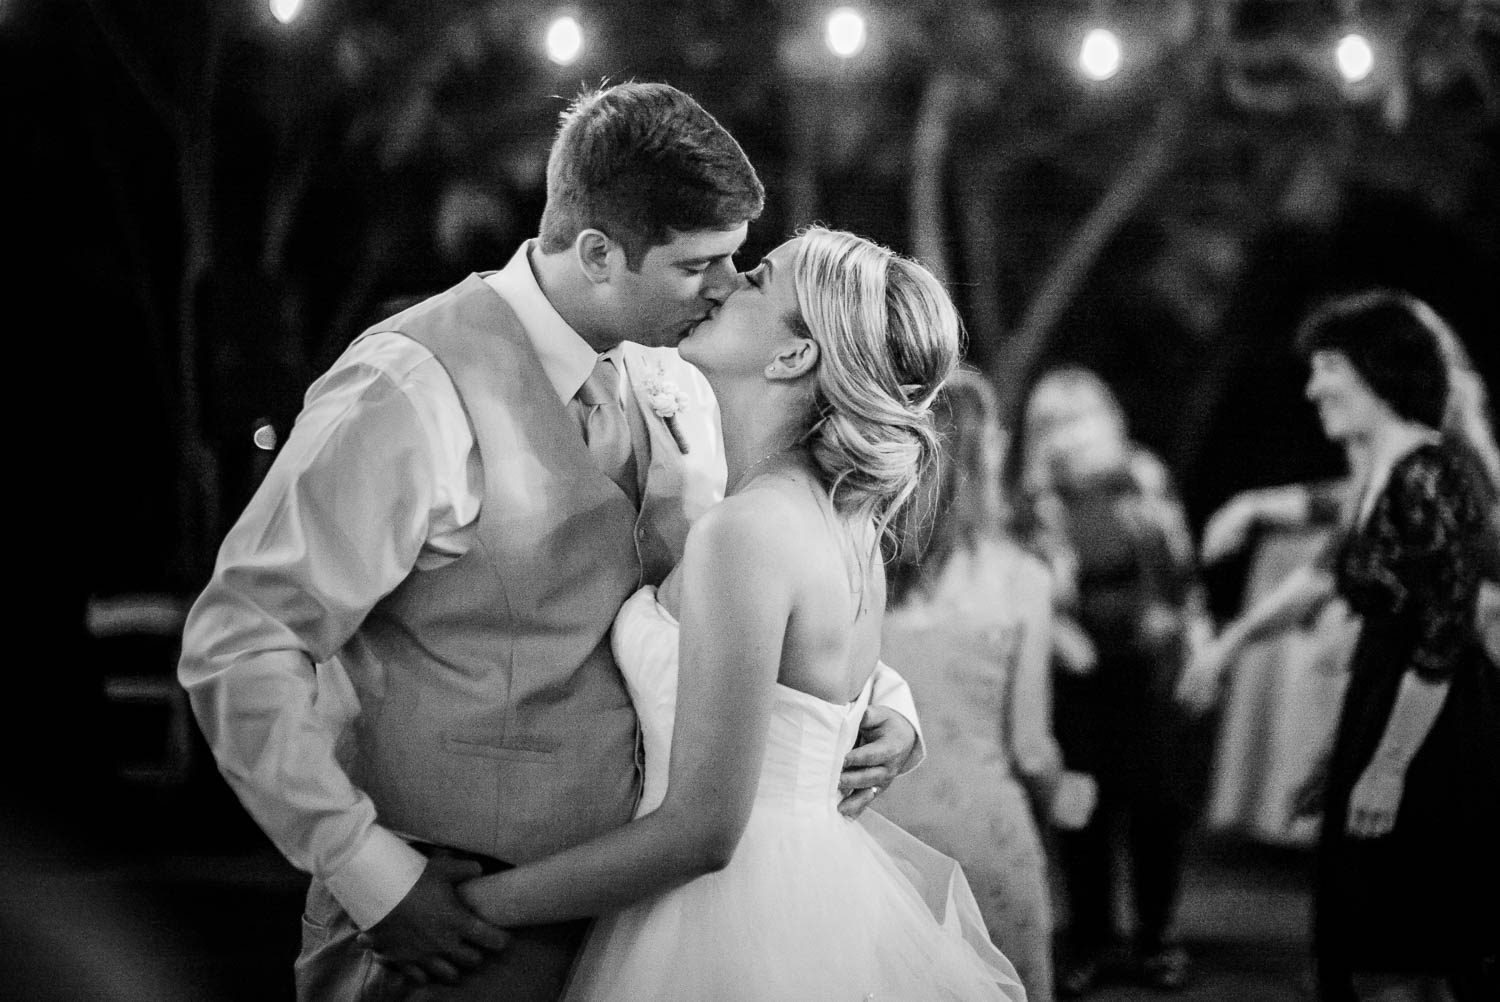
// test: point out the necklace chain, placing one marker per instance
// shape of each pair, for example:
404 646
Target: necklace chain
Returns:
744 477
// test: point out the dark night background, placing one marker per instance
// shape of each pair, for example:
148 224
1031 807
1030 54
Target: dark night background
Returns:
204 206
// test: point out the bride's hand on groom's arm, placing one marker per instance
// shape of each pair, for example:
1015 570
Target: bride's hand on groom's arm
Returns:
432 935
886 741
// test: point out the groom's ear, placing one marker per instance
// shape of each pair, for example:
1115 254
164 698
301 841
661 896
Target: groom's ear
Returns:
794 361
594 249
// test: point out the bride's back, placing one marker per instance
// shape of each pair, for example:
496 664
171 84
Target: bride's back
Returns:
830 568
832 639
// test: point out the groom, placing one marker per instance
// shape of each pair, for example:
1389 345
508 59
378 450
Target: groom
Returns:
466 499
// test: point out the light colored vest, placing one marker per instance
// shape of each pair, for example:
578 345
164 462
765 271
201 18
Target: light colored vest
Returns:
492 717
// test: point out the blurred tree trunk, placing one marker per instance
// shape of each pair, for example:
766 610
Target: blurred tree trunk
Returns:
802 197
929 158
199 475
979 226
185 111
1025 346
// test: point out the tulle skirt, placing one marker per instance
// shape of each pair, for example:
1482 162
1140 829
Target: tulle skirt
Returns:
812 907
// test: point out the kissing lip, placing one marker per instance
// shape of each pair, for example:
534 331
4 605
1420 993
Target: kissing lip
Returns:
693 324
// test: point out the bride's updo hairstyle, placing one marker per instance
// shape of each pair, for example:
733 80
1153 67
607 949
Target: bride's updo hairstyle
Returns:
889 337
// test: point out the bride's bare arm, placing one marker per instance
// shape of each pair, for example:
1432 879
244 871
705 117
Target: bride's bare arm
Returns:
736 600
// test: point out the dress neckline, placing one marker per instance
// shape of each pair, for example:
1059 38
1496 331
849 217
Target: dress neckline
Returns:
1380 479
666 616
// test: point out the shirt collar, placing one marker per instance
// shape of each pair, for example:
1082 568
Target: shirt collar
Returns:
566 357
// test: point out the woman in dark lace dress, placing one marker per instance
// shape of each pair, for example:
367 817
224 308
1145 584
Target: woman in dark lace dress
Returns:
1408 884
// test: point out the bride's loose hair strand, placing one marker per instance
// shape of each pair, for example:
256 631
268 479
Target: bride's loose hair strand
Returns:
889 337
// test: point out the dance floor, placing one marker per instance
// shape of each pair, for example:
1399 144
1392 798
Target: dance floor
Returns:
174 898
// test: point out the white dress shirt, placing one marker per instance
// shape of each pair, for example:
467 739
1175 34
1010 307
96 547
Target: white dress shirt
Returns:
383 441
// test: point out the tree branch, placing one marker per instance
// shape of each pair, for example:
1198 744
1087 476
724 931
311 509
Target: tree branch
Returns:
134 64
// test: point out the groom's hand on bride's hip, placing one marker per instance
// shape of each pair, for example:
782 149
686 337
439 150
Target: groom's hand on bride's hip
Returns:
432 935
886 740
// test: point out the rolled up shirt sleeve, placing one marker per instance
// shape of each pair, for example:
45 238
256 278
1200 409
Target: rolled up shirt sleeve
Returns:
339 521
891 691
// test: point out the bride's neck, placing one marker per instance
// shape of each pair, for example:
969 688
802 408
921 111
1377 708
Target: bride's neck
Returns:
759 426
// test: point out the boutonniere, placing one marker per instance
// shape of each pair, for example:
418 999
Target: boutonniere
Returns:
668 401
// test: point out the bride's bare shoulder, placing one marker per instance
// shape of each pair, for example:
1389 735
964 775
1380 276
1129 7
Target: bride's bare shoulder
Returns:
764 522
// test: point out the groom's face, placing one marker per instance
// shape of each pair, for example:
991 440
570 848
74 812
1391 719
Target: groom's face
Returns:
678 284
760 320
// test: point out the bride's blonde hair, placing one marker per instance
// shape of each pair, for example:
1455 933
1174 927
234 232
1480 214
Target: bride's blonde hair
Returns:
889 337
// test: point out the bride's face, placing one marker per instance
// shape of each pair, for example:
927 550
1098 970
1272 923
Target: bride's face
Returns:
759 318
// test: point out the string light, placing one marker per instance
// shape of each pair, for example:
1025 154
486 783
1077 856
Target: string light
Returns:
264 435
564 41
1355 57
845 33
286 11
1100 56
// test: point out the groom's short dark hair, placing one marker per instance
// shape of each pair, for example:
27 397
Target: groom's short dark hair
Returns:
639 162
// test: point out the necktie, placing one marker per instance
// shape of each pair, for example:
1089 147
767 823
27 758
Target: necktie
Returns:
605 427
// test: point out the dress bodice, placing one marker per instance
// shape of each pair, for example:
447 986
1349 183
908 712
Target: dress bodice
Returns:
806 743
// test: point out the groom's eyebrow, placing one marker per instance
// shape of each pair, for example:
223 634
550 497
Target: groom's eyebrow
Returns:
702 259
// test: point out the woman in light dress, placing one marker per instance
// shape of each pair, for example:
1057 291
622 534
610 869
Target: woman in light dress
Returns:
971 623
739 879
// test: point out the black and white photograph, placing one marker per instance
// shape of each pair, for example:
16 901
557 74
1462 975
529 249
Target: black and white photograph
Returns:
726 501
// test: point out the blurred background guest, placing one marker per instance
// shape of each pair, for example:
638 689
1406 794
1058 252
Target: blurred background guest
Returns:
1282 662
973 610
1279 666
1408 883
1103 506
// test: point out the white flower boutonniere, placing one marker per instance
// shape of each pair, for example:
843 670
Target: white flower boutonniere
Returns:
668 401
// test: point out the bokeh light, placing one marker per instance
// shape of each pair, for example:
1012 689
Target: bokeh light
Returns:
286 11
1100 56
845 33
564 41
1355 57
264 436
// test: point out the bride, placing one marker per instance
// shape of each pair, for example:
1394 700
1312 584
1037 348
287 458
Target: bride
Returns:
739 878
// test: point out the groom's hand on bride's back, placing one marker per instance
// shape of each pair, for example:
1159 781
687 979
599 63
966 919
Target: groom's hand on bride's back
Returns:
432 935
886 740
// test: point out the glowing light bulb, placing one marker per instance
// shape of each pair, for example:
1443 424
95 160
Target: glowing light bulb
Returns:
564 41
1355 57
845 33
286 11
1100 56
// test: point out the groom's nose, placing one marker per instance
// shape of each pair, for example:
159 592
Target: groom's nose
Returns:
720 281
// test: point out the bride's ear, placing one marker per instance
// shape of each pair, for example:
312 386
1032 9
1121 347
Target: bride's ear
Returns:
795 360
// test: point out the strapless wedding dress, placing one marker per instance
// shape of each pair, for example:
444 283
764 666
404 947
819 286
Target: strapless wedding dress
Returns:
813 906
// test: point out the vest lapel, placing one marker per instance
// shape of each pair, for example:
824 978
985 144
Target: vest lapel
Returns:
508 369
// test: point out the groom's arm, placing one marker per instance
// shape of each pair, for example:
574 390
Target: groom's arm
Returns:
736 602
338 522
891 692
890 742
